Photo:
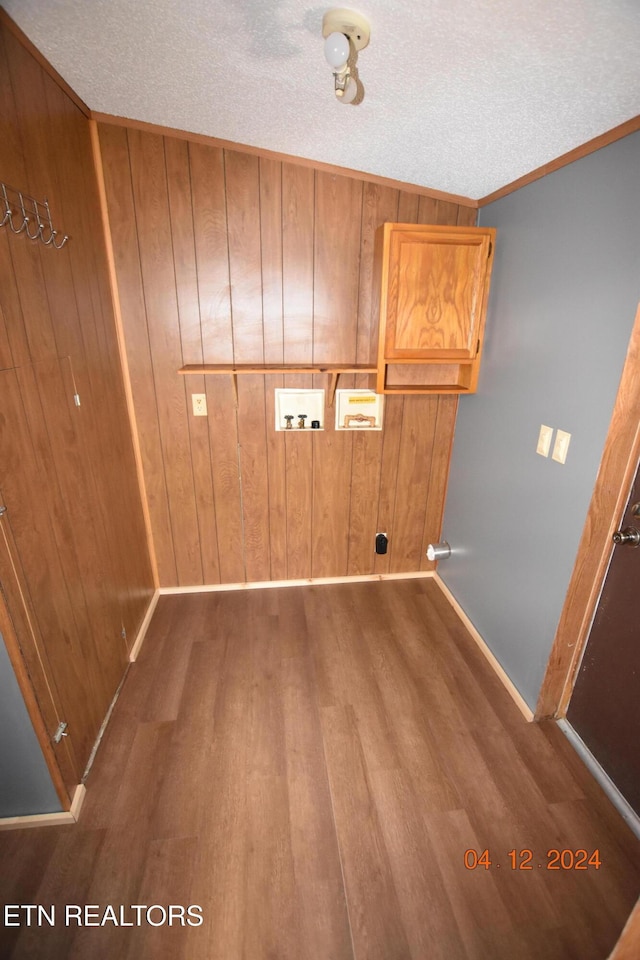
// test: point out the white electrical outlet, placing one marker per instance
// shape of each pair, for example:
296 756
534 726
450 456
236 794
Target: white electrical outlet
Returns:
544 440
199 403
561 446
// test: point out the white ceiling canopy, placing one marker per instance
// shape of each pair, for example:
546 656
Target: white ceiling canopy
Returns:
463 96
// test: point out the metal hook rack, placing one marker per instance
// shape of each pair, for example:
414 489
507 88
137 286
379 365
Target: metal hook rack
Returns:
33 217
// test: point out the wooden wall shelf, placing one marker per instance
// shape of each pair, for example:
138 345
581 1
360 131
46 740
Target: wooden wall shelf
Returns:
233 370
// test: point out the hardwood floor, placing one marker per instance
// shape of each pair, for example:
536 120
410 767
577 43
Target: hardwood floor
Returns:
309 766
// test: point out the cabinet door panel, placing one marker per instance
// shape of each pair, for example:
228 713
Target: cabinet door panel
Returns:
436 286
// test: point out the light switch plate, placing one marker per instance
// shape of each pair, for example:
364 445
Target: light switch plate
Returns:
544 440
561 446
199 403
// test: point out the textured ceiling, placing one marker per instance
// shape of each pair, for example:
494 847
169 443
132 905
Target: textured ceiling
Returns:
461 95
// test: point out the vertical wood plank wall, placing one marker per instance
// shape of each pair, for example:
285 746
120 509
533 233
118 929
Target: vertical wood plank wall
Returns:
74 560
223 257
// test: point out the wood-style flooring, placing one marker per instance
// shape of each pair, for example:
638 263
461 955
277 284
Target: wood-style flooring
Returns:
309 766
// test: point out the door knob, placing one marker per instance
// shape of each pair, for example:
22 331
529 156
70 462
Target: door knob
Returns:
629 535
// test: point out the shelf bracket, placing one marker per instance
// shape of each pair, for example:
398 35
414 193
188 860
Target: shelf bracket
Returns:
333 383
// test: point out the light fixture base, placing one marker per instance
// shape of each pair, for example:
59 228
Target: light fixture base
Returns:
353 24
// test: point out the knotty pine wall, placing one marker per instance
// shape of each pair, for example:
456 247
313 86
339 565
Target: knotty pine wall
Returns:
223 256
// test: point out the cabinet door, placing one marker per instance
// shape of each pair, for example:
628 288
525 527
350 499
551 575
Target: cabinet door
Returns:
436 292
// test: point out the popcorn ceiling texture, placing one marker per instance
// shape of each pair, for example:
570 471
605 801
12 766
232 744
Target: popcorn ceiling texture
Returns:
461 95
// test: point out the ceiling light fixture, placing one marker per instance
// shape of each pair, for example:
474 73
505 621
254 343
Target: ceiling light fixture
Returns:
345 32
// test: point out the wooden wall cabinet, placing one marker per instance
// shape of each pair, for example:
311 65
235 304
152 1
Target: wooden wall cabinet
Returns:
431 284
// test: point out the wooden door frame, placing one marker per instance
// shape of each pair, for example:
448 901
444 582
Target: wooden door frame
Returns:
31 673
615 476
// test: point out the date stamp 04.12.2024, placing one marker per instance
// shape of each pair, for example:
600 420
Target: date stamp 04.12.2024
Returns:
525 860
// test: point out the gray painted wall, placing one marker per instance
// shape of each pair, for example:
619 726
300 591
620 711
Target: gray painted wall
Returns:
565 289
25 784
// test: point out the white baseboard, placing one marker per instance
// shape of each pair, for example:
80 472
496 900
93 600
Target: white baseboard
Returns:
306 582
48 819
622 806
507 682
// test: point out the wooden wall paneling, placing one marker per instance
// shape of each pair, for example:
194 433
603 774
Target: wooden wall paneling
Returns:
379 204
223 441
113 456
299 494
42 537
298 208
212 259
156 261
414 465
46 293
187 291
242 179
6 358
71 429
35 177
298 215
427 210
447 214
242 191
283 263
108 437
337 232
408 212
393 412
212 253
252 451
77 318
467 216
122 218
273 332
271 265
438 475
277 482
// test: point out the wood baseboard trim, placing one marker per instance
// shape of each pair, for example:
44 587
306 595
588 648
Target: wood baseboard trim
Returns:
627 812
65 817
144 626
510 687
306 582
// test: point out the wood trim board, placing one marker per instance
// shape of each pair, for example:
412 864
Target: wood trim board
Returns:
603 140
117 313
64 818
255 151
613 482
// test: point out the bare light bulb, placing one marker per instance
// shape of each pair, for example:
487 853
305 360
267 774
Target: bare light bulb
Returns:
336 50
349 93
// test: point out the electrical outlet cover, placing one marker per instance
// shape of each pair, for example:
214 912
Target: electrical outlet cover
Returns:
544 440
561 446
199 404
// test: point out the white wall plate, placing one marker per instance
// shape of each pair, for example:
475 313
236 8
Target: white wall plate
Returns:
359 410
293 403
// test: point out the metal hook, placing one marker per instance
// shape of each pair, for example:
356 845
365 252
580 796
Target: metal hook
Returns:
36 217
60 245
